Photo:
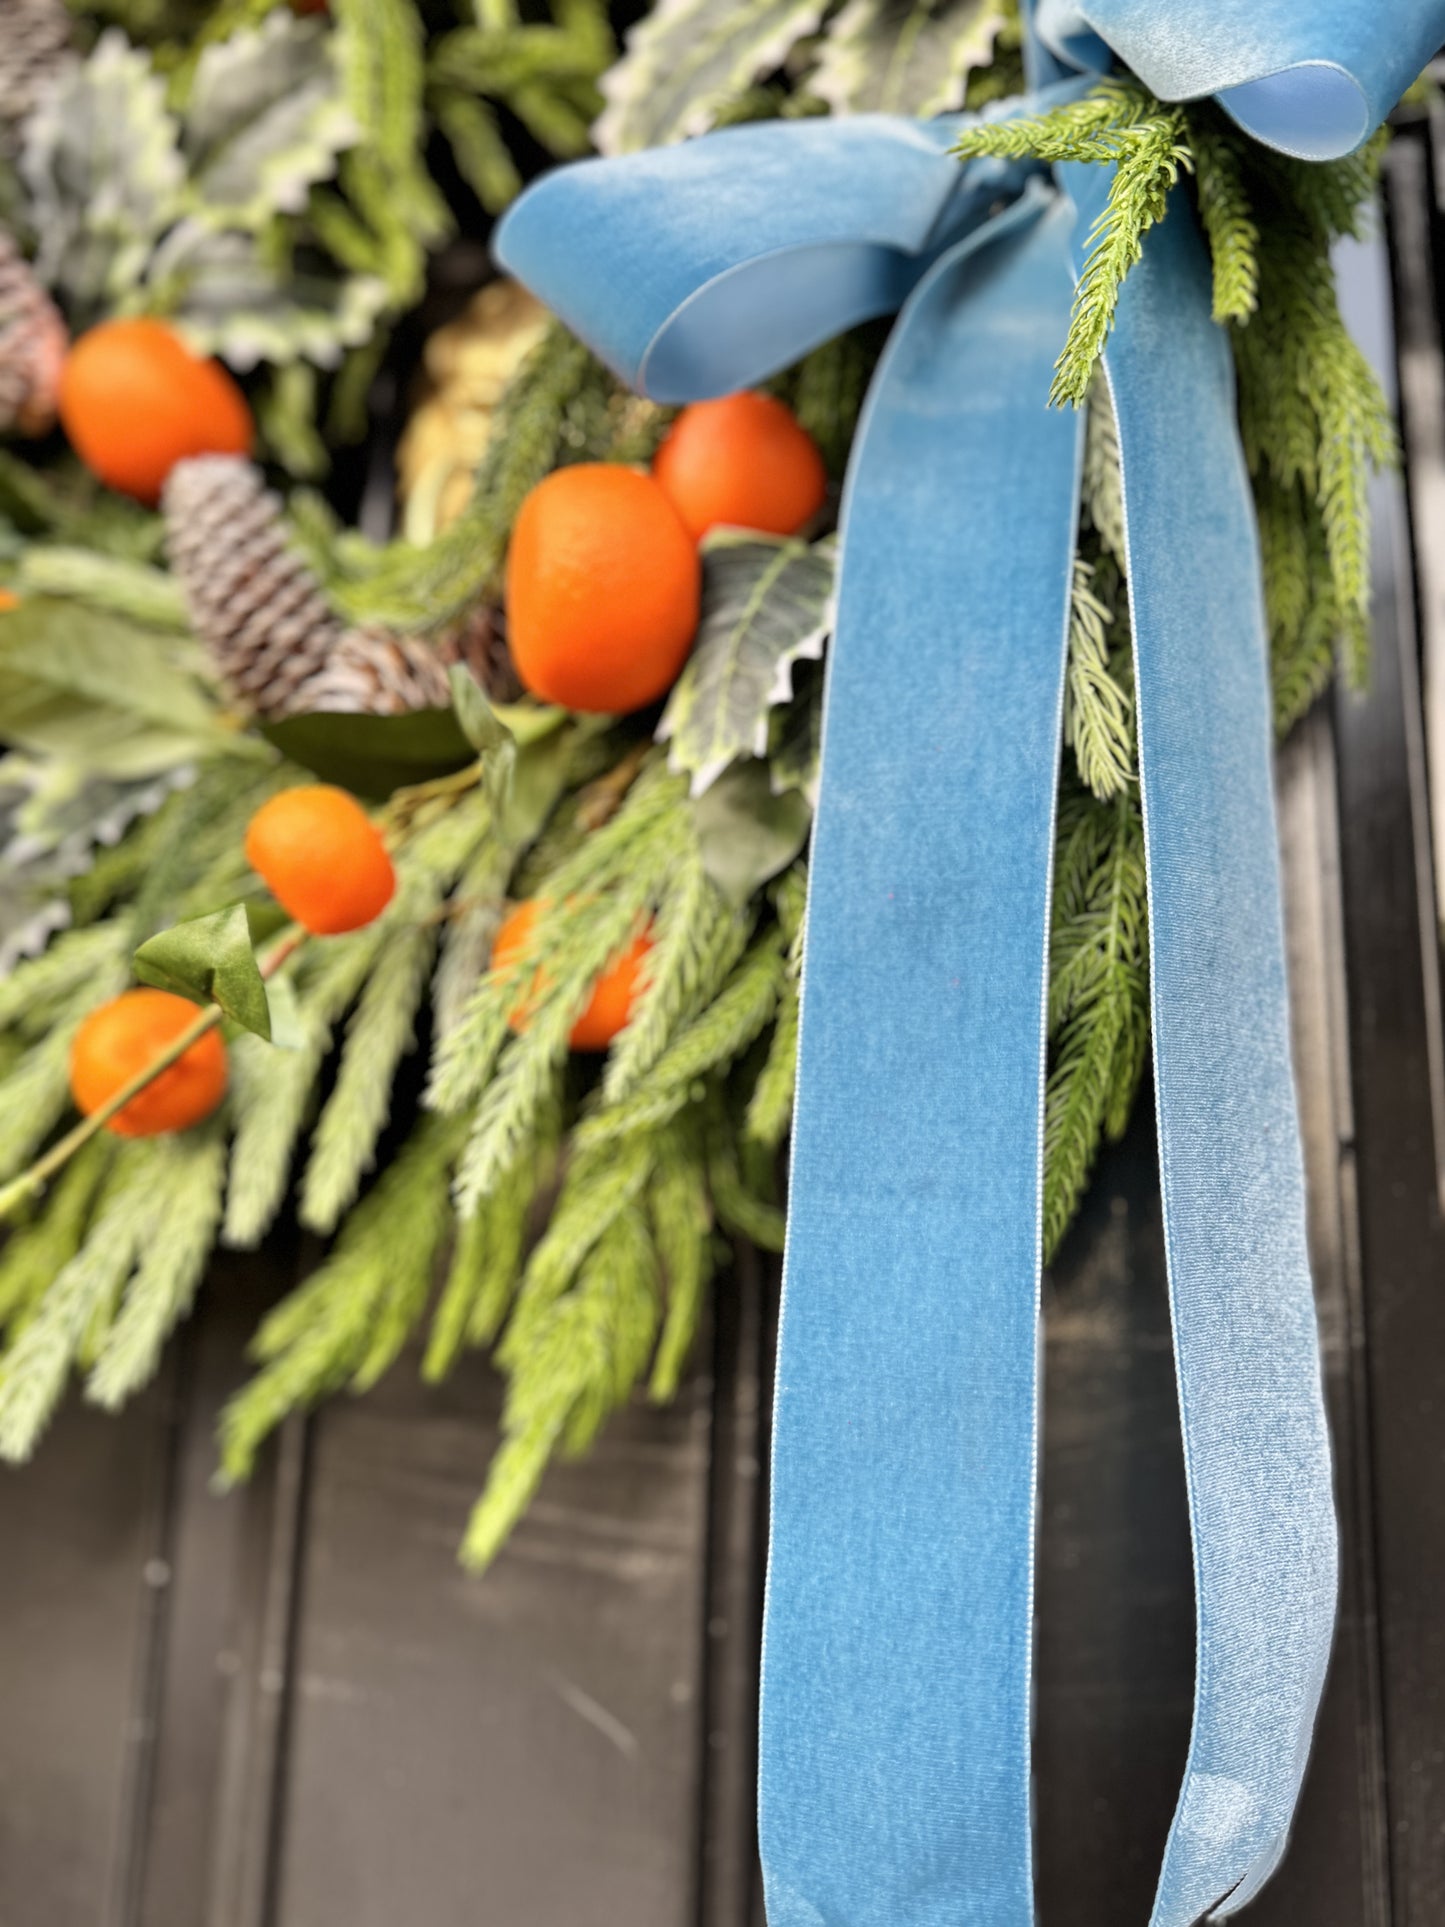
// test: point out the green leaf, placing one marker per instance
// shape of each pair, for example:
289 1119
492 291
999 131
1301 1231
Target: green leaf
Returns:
747 834
374 755
265 121
210 960
765 606
796 748
236 299
104 174
479 722
688 59
93 687
904 56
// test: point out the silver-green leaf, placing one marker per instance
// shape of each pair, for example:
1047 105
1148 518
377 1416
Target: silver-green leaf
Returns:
265 121
766 605
688 59
904 56
103 168
234 300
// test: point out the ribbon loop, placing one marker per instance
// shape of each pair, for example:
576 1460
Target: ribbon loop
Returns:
704 268
1314 80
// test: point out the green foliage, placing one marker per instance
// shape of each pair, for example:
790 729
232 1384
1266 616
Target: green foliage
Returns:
347 1323
544 74
904 56
103 172
1312 413
1224 210
101 690
688 60
1119 124
1098 992
210 960
766 605
263 121
748 829
1098 694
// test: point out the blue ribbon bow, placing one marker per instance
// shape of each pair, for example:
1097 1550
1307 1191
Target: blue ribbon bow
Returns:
894 1785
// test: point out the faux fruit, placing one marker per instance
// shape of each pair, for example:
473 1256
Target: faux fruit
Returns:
322 858
744 461
135 400
603 590
122 1039
613 995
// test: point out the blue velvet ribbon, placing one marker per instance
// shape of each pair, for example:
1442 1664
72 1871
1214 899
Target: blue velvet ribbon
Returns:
894 1784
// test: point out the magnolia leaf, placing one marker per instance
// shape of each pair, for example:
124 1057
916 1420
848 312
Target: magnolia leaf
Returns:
796 747
745 832
105 693
104 173
233 299
373 755
765 606
904 56
210 960
688 59
265 121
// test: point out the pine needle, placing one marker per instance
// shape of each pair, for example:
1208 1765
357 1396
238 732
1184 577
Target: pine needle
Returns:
1098 703
33 1372
188 1180
348 1320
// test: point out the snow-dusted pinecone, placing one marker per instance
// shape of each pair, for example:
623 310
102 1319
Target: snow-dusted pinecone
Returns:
34 41
33 340
259 609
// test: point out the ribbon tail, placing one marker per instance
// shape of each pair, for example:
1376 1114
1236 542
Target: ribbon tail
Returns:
894 1781
1247 1353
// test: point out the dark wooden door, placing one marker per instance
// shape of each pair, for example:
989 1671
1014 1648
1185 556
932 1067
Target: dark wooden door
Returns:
288 1708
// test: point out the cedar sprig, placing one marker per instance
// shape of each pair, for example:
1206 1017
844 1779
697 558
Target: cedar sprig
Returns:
1098 992
1118 123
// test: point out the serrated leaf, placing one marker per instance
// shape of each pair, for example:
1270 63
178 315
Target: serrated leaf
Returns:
766 605
373 755
904 56
210 960
746 833
796 748
103 169
265 121
104 692
687 59
233 299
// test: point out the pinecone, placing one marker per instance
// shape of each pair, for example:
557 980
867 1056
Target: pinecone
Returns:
260 611
479 641
33 341
34 43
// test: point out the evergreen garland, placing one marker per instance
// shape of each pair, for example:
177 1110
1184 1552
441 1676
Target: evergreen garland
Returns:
569 1217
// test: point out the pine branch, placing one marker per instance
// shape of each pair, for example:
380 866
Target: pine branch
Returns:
1098 704
188 1181
1224 210
1119 123
33 1372
680 1212
36 1253
581 1362
1098 993
347 1321
273 1087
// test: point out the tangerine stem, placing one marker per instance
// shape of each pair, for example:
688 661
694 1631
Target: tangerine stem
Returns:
33 1181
